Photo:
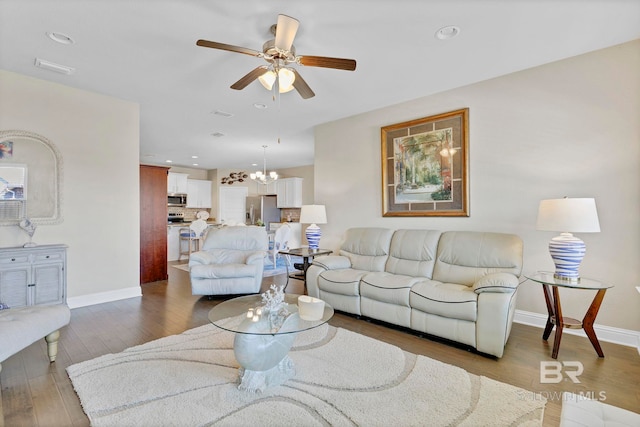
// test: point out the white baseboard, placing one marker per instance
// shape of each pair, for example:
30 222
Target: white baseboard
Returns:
620 336
102 297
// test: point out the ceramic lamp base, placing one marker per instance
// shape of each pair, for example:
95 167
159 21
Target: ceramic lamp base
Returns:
567 252
313 234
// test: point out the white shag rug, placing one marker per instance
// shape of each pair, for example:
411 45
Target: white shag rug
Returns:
342 379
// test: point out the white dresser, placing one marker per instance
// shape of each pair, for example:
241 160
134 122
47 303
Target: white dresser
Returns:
33 276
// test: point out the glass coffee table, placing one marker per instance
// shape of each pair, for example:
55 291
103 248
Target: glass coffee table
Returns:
263 340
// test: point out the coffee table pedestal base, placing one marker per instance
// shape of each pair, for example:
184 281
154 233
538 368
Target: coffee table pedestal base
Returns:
259 381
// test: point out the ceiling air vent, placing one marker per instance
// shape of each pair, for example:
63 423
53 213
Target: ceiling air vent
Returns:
52 66
217 134
222 114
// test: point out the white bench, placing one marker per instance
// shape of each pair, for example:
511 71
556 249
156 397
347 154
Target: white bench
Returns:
22 326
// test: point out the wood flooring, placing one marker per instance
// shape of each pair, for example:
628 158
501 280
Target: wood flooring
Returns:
37 393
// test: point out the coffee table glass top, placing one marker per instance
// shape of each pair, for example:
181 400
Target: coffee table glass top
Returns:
233 315
546 278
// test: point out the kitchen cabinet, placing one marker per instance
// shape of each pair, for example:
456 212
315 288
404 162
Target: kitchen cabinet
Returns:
33 275
177 183
173 242
289 192
198 193
153 223
270 189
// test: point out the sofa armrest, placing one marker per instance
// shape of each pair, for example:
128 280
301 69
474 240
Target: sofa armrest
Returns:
256 257
496 282
332 262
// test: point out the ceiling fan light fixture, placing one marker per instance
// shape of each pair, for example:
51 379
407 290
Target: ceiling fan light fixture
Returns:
286 79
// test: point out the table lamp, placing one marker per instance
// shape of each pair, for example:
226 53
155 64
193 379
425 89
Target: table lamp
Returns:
313 214
568 216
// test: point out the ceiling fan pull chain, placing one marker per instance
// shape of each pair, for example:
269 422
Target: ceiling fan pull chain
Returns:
278 97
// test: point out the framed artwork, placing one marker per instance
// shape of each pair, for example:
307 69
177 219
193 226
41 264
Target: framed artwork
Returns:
6 149
425 166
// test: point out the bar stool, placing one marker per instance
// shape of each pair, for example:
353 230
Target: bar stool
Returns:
192 235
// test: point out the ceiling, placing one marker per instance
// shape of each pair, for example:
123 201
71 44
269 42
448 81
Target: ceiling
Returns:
145 51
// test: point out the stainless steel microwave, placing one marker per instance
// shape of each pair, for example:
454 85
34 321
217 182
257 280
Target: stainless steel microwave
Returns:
177 199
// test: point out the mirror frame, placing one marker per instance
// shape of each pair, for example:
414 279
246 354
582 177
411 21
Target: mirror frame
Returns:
15 136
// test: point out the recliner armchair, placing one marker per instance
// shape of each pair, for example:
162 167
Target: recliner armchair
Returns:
231 261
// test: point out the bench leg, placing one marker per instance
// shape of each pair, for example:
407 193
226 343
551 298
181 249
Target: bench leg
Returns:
52 345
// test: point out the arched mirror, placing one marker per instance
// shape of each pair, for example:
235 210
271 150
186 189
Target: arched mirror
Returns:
30 179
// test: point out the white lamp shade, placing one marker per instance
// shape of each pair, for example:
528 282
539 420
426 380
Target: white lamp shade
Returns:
568 215
313 214
286 79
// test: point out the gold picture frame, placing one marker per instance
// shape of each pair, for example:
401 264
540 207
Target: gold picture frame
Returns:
425 166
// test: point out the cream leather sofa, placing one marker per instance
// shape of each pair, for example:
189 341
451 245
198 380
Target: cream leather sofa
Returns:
231 261
457 285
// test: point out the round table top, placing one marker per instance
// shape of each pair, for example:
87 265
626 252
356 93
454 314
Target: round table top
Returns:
233 315
547 278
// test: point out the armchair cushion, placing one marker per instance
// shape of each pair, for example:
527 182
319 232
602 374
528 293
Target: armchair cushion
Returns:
223 271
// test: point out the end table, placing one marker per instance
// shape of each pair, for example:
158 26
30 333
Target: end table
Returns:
305 254
550 287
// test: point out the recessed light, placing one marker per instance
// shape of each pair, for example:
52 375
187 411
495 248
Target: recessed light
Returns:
260 106
448 32
254 164
60 38
195 164
169 161
52 66
194 157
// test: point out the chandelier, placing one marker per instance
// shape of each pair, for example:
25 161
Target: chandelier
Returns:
261 177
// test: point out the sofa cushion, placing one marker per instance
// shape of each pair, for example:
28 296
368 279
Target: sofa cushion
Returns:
445 299
465 256
367 248
413 252
387 287
342 282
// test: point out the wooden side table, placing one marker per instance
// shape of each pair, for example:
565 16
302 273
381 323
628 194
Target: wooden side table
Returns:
550 287
305 253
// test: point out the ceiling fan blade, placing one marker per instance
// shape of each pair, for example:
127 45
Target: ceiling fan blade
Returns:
301 86
326 62
228 47
250 77
286 30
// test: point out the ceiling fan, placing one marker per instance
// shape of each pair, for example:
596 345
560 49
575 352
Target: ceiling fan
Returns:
279 54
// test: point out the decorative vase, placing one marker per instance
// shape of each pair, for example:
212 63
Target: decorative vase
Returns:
567 252
313 234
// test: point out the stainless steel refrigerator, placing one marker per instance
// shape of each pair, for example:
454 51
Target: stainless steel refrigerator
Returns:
262 208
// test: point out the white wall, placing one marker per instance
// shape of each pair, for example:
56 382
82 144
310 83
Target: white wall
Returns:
567 128
98 138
